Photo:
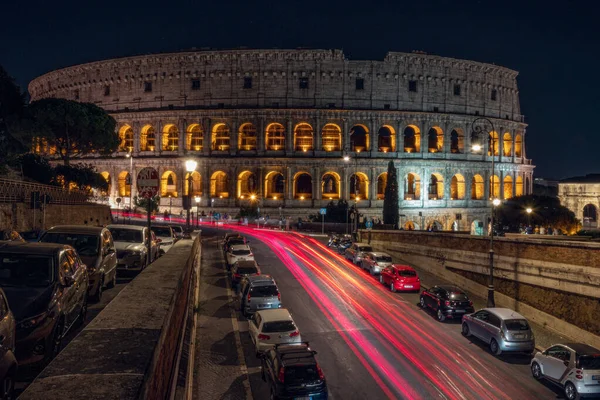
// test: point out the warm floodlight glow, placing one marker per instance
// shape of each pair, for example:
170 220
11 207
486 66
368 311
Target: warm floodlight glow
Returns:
496 202
476 147
346 158
252 197
190 165
529 210
198 199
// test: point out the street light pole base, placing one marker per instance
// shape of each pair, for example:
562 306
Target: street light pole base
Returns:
490 298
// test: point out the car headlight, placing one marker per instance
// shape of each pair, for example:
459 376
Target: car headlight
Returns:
33 321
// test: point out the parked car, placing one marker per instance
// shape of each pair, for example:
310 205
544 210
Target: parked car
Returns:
97 251
291 371
271 327
8 361
503 329
178 231
233 241
374 262
131 244
46 286
259 292
243 269
573 366
400 278
31 236
355 252
447 301
228 236
239 252
165 236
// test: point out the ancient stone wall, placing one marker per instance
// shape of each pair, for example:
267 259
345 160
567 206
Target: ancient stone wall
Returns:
22 218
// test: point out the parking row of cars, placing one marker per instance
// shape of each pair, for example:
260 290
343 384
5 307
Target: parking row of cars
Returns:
288 364
575 367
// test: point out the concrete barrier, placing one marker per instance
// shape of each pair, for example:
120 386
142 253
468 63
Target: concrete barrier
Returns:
130 350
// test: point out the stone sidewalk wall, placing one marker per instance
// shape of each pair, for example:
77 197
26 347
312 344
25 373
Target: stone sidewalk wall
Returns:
23 218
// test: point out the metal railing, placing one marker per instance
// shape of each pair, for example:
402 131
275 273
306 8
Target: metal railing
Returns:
18 191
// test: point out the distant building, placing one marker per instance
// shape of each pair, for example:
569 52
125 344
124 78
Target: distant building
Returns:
545 187
581 195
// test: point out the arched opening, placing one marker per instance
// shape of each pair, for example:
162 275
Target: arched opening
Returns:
331 138
148 138
220 140
170 138
247 137
494 143
412 189
275 137
359 186
168 184
518 145
274 185
435 226
435 139
590 216
194 139
219 185
247 184
302 186
381 185
410 226
494 187
507 144
106 177
359 138
457 141
477 228
477 188
126 136
386 139
124 184
303 137
412 139
508 187
196 184
436 187
330 186
457 187
519 186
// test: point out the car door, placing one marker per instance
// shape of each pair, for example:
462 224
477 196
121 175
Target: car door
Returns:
80 282
110 259
68 298
253 327
491 329
7 327
556 362
478 321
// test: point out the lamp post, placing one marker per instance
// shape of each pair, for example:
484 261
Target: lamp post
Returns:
198 199
190 166
170 206
529 211
347 159
479 131
130 156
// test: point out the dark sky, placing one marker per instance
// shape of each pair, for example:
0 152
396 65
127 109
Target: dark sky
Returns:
555 45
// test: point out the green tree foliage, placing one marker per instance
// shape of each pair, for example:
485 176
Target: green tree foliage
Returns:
391 213
142 202
83 175
547 212
12 102
37 168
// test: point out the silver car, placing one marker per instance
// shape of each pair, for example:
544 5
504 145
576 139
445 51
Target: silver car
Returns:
131 244
259 292
501 328
375 262
356 252
573 366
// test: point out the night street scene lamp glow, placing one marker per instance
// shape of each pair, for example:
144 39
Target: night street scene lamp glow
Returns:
476 147
496 202
190 165
346 158
529 210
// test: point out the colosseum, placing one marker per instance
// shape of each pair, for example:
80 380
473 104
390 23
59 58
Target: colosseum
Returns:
295 129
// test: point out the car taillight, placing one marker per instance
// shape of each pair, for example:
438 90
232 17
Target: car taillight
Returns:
294 334
263 337
279 296
579 374
249 297
470 303
237 275
281 375
320 371
447 303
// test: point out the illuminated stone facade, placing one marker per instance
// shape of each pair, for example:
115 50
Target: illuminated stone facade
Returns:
277 124
582 196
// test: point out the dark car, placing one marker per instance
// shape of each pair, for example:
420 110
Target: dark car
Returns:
234 241
8 361
447 302
292 372
95 247
46 286
242 269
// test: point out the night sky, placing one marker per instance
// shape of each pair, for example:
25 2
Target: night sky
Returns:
555 46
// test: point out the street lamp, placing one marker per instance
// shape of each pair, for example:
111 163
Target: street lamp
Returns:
347 159
529 211
130 156
481 133
190 166
198 199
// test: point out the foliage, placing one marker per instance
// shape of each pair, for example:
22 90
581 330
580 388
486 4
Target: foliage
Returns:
12 102
37 168
142 202
250 211
82 175
336 212
547 212
391 214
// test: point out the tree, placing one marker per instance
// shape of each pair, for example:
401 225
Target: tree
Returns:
546 211
84 176
390 202
12 102
74 129
142 202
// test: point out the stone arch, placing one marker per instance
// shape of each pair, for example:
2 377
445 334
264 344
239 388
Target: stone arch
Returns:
435 139
220 138
168 184
330 186
477 228
507 188
412 187
477 188
275 136
303 186
359 182
381 185
196 184
494 187
219 185
507 144
518 145
126 138
303 137
412 139
106 176
359 138
247 184
247 137
494 143
331 138
436 187
411 226
457 141
170 138
590 216
386 139
274 185
194 138
124 184
519 186
148 138
435 226
457 187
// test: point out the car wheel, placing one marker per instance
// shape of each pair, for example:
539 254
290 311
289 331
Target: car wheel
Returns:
494 348
273 396
98 295
8 385
465 330
422 302
113 281
571 391
392 288
440 315
381 279
536 371
57 340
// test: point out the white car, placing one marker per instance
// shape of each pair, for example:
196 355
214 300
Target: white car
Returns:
270 327
166 236
239 252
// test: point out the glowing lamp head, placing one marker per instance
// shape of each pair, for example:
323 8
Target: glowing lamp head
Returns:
476 147
198 199
529 210
274 197
496 202
346 158
252 197
301 197
190 165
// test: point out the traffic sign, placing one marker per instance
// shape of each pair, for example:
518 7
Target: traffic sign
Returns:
323 211
147 182
369 224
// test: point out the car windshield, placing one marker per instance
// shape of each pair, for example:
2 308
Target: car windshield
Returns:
247 270
86 245
516 324
126 235
25 270
264 291
242 252
301 373
406 272
384 259
278 326
365 248
589 362
233 242
457 296
163 232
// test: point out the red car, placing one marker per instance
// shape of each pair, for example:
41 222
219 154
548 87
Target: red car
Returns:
400 277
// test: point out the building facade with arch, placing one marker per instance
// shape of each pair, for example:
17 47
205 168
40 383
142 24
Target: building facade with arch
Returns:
581 195
295 129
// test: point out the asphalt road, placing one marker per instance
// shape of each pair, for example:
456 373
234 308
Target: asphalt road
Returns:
376 344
